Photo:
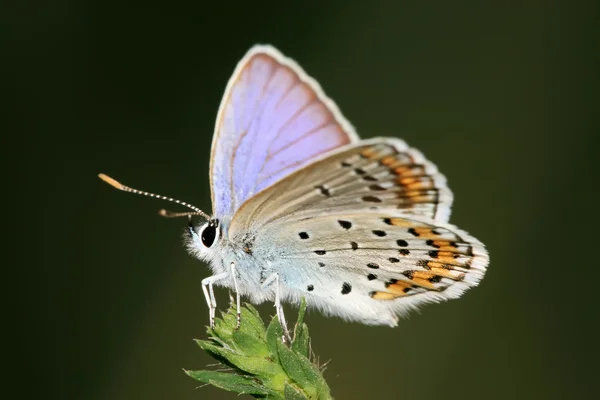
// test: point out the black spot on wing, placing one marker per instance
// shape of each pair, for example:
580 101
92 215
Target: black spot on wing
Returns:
323 190
408 274
371 199
346 288
376 187
345 224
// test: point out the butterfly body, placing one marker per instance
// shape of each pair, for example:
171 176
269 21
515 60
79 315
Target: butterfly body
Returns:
303 208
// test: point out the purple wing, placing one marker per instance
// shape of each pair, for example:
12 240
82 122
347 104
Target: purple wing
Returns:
273 119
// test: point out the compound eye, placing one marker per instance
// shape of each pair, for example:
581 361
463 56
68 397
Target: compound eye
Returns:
208 235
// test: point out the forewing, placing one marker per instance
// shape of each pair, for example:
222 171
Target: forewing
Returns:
273 119
378 174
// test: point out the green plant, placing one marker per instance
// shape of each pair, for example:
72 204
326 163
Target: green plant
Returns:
260 364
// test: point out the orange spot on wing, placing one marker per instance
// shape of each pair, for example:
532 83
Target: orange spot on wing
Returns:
447 273
406 181
401 222
383 296
423 283
369 153
446 265
444 245
401 170
435 264
389 160
426 233
423 274
447 257
400 288
416 197
409 170
416 183
441 243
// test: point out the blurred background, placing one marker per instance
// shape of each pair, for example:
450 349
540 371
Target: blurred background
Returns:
502 97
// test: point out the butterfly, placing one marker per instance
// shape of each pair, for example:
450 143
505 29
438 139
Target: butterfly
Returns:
303 208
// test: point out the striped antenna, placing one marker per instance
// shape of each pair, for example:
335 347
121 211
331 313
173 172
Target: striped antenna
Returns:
117 185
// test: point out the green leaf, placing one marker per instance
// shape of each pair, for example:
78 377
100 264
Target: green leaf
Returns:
253 365
301 342
301 312
223 329
230 382
301 371
253 311
293 393
251 344
252 322
274 335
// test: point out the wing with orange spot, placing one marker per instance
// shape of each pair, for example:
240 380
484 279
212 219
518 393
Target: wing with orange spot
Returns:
392 263
376 174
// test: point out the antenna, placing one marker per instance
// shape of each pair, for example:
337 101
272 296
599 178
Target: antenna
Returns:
171 214
117 185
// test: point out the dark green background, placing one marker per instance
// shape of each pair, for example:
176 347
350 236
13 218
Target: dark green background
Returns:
503 98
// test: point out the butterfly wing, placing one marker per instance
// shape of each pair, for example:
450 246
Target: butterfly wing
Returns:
372 266
362 233
273 119
377 174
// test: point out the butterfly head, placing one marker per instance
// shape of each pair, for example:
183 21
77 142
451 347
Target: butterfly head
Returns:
203 239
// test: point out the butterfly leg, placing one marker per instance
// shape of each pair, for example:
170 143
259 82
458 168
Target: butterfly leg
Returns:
237 295
209 295
278 308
